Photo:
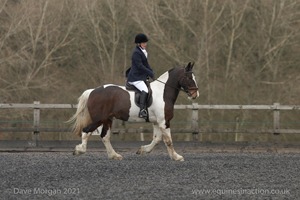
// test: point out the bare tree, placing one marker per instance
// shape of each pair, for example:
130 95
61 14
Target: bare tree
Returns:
32 43
105 31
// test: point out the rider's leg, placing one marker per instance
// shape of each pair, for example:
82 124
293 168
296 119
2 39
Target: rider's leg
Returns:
143 103
141 85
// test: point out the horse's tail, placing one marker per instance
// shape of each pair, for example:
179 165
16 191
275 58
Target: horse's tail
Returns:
82 116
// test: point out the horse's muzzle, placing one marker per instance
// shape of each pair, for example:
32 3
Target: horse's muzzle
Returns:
192 93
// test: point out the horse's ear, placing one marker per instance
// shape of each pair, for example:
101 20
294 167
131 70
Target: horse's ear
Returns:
189 67
192 65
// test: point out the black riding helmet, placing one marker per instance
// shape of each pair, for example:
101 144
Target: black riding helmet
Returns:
140 38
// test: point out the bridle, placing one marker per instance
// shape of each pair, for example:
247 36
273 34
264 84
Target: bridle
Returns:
186 90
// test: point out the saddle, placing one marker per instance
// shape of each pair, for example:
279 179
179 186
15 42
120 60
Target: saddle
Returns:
138 94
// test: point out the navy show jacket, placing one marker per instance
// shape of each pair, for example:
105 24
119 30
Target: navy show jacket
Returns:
140 68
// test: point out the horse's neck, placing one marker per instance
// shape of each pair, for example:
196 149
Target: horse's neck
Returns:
171 90
170 95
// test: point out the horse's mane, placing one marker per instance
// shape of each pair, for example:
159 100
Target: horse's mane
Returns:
175 68
171 70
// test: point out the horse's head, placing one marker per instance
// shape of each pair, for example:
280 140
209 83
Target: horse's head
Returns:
188 82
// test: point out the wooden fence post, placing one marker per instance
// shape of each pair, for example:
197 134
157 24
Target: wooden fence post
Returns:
195 121
142 134
237 127
36 123
276 118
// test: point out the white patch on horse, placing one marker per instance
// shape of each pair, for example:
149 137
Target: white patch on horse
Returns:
111 153
107 85
194 78
157 137
81 148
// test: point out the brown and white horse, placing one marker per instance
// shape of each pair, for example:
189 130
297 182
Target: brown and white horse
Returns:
98 107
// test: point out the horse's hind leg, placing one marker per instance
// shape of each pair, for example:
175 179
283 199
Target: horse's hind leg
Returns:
86 132
169 144
157 137
111 153
81 148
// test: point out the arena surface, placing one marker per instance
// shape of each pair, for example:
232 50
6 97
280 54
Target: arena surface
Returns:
203 175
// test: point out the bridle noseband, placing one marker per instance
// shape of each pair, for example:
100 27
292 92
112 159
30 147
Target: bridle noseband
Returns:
190 88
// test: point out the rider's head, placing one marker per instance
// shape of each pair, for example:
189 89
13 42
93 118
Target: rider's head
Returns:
140 38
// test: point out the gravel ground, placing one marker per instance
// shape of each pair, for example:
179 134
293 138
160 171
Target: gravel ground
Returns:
60 175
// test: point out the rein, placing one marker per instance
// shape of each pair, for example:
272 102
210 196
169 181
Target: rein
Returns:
170 85
180 89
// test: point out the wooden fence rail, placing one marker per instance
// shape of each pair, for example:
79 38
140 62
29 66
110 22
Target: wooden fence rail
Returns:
276 108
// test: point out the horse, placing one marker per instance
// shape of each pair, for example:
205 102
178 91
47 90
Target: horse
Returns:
98 107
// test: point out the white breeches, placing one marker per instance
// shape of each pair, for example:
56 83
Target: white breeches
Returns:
141 85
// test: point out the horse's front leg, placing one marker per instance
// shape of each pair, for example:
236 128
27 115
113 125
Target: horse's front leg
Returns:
166 133
81 148
111 153
157 137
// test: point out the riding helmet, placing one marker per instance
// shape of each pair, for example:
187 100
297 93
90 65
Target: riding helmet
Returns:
140 38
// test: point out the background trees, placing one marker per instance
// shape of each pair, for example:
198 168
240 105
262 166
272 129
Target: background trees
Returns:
245 52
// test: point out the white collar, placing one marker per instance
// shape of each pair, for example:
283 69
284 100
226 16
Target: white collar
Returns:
144 51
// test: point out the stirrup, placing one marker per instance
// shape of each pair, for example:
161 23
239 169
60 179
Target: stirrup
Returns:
143 114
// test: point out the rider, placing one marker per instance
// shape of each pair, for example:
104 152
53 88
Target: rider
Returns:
140 71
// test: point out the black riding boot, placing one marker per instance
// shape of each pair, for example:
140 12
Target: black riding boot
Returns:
143 105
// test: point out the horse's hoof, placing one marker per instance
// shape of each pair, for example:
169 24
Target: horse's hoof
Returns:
179 158
116 157
139 152
77 153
